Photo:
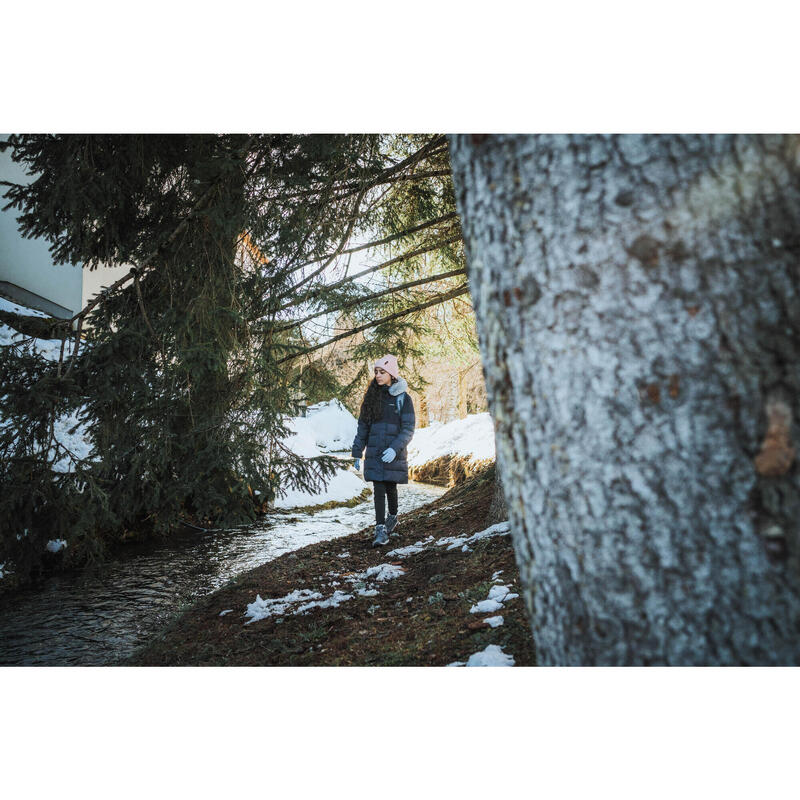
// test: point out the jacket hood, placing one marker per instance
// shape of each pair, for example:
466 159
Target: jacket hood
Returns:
398 387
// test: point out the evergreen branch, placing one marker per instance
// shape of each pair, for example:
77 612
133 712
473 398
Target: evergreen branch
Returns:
396 260
378 242
141 306
349 189
375 296
457 292
408 162
181 227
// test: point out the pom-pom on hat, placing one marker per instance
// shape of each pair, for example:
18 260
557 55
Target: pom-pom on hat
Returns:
389 363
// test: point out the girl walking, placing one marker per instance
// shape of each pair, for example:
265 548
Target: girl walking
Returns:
385 427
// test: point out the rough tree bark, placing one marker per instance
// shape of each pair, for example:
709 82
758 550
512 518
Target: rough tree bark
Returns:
637 308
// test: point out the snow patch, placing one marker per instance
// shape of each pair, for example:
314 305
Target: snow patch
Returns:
454 542
226 611
337 598
494 602
384 572
486 607
491 656
54 545
417 547
260 608
472 437
494 622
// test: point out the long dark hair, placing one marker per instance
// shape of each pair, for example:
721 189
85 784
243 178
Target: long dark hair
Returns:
371 405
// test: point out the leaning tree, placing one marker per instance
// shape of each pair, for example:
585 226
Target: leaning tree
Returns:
637 308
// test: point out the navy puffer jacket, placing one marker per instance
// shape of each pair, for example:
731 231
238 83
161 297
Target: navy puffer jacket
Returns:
395 429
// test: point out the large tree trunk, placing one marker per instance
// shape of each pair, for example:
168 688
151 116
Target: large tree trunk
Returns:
637 305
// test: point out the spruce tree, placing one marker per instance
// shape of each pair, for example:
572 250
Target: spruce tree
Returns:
186 370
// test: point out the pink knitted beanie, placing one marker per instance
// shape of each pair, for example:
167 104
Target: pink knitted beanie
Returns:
389 363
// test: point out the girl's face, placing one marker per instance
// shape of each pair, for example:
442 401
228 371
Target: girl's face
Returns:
382 377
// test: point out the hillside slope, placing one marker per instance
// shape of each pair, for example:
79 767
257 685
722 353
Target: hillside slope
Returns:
421 600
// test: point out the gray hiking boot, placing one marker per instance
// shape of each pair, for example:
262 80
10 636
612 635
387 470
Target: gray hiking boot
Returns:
380 536
391 522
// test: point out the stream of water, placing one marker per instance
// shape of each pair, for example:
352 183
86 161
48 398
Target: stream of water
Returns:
79 619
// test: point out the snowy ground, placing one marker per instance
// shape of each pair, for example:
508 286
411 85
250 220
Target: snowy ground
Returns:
471 437
330 427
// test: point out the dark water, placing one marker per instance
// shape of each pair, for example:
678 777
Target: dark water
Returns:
101 619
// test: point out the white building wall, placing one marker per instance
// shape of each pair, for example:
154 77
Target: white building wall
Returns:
27 265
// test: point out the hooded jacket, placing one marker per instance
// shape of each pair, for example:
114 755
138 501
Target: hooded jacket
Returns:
395 429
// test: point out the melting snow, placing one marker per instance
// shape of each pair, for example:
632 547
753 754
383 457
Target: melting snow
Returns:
54 545
453 542
494 602
334 600
226 611
501 593
492 656
261 608
485 607
384 572
417 547
494 622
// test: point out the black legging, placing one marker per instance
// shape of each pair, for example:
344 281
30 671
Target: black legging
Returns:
381 490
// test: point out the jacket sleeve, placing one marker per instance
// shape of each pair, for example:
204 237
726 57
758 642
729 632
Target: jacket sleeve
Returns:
408 421
360 442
